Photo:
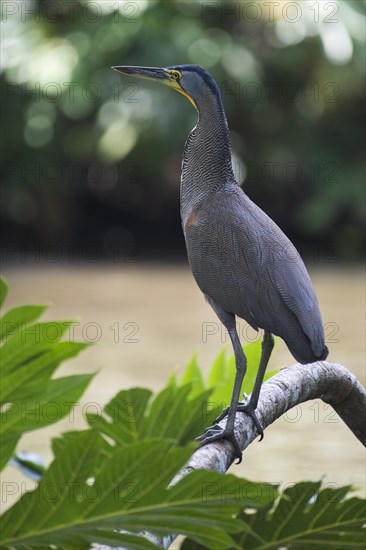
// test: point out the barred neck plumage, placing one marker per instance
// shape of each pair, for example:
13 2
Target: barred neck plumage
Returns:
206 165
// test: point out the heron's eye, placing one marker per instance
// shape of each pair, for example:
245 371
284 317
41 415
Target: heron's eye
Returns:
176 75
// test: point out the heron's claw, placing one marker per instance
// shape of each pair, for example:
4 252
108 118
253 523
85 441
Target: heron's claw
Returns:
216 433
211 430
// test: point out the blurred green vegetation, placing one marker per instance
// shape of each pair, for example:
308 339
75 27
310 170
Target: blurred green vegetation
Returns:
90 157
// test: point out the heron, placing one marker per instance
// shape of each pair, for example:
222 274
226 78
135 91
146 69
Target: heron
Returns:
243 263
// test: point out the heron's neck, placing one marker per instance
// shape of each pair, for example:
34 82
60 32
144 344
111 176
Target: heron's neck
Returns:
206 166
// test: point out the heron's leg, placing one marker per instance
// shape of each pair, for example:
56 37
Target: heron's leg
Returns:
216 432
267 347
241 367
249 408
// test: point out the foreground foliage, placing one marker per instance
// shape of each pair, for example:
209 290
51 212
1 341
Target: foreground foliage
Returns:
30 353
109 483
305 516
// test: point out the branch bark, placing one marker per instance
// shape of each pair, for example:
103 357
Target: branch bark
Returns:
331 382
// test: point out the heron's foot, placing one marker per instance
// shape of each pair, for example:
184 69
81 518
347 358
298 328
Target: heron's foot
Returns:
216 433
247 409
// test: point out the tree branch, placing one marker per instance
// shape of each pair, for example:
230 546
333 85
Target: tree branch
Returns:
331 382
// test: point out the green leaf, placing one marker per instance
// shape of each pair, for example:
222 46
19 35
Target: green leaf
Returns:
217 373
172 380
30 342
8 444
4 288
56 402
222 375
30 355
195 417
51 406
27 379
308 516
87 494
59 443
124 416
66 477
133 416
166 413
193 375
17 317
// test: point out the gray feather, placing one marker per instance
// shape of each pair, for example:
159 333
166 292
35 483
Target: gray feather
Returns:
239 257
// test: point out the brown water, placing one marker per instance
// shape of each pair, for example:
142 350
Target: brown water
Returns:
149 319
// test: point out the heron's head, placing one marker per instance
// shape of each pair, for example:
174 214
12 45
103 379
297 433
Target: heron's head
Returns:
190 80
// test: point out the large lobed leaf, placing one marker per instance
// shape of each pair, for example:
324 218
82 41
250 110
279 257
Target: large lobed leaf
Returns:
30 353
134 415
29 342
31 376
92 489
306 516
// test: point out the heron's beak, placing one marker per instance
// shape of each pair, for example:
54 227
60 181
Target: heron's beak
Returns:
151 73
154 73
